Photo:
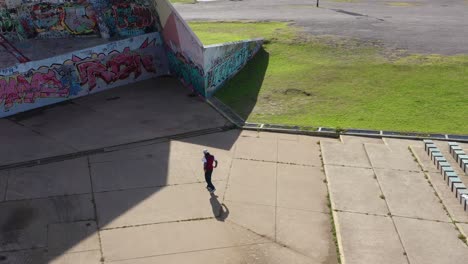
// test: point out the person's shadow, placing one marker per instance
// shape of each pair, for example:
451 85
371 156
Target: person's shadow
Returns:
220 211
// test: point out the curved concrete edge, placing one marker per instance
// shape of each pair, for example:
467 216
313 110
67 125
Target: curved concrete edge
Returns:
234 118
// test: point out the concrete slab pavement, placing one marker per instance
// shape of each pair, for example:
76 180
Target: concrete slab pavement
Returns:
20 143
61 178
355 190
260 219
270 206
382 156
306 232
263 149
105 124
62 237
252 182
302 188
85 257
369 239
267 253
126 114
24 223
302 153
351 155
431 242
41 256
409 194
171 238
156 205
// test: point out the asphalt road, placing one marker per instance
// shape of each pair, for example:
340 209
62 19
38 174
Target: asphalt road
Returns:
422 26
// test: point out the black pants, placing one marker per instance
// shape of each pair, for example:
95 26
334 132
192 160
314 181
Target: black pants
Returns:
208 179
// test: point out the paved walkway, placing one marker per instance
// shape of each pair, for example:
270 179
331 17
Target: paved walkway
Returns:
391 206
146 202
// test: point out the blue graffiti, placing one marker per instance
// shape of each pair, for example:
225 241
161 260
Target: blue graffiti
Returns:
190 74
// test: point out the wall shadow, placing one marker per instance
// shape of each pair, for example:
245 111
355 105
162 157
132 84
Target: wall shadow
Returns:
241 92
56 210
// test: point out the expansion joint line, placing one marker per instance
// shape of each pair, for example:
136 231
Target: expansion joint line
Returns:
276 191
93 199
229 175
6 184
386 203
333 217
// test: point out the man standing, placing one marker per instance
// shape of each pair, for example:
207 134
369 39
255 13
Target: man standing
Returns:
208 161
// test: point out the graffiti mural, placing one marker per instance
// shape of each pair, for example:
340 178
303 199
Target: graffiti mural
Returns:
203 69
49 20
39 83
9 24
56 19
224 61
119 67
157 42
130 18
185 50
189 74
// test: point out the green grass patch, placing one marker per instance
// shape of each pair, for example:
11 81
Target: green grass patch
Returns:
336 82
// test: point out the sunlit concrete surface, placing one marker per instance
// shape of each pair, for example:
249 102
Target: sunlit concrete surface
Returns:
142 197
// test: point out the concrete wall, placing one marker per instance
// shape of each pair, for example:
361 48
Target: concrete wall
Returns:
25 19
39 83
175 50
223 61
184 49
203 69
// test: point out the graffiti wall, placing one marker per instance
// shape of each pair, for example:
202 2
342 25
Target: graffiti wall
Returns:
184 49
158 42
223 61
203 69
39 83
58 19
48 20
129 18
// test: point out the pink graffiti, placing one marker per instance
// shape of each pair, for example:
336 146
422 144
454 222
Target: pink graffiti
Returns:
119 67
21 90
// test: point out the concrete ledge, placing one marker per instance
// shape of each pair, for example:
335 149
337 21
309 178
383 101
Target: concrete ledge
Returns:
434 154
449 174
438 160
445 169
428 147
464 166
460 192
232 116
460 158
464 201
457 152
442 164
455 184
453 148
